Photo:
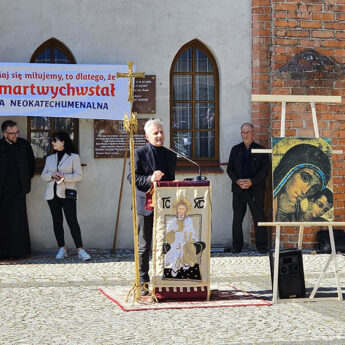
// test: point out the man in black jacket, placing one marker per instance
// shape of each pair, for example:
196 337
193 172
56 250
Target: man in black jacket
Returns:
17 165
248 172
153 162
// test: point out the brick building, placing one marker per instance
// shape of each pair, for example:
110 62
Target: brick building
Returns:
298 49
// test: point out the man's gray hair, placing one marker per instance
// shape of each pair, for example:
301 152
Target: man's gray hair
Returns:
248 124
151 123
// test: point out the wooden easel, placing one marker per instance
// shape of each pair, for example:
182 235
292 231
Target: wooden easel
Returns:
301 99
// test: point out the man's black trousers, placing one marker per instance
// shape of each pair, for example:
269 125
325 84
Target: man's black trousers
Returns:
145 226
256 206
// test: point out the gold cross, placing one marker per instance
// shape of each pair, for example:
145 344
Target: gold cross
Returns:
130 75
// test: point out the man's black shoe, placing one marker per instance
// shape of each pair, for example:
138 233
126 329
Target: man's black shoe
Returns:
144 289
236 251
263 251
144 292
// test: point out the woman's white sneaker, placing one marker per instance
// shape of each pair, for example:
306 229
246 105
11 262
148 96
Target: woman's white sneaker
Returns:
83 255
61 253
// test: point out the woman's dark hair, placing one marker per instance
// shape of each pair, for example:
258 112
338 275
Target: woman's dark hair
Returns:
302 154
68 145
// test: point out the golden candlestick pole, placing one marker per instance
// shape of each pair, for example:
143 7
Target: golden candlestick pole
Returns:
131 125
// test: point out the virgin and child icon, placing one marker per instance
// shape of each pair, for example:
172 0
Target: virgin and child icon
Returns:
182 248
302 179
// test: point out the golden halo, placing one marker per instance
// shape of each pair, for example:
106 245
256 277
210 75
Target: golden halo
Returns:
184 201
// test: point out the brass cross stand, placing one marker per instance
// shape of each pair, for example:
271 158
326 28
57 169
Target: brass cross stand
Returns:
131 125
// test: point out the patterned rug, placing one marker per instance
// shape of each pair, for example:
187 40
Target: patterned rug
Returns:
225 295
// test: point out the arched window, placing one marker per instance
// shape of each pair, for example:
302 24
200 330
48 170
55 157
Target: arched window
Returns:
52 51
194 105
40 129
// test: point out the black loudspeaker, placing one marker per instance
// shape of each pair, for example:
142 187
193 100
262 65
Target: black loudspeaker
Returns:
290 273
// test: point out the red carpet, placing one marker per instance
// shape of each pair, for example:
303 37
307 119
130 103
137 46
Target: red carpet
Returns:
223 296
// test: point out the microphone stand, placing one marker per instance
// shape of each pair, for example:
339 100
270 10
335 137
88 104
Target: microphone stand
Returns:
196 178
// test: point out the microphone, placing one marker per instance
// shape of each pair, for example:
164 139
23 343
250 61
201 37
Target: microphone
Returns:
196 178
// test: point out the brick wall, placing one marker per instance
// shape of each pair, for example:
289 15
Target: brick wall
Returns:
299 49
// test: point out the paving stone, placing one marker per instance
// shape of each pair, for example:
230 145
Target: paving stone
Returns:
48 302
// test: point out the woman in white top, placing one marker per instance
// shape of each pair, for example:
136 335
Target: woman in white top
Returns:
61 171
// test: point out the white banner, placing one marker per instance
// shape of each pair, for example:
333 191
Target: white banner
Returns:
63 90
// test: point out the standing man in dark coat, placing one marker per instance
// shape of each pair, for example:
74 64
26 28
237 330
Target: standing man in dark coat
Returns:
153 162
17 165
248 172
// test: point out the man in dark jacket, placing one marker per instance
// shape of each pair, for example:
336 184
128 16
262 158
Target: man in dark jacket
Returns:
248 172
17 165
153 162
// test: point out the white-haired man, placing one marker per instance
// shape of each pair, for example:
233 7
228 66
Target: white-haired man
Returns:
248 173
153 162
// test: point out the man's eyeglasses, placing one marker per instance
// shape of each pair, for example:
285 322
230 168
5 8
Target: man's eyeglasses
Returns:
12 133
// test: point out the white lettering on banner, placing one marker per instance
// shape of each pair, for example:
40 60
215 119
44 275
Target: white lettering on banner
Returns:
55 91
63 90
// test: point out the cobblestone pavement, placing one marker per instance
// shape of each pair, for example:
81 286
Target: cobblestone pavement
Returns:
46 302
